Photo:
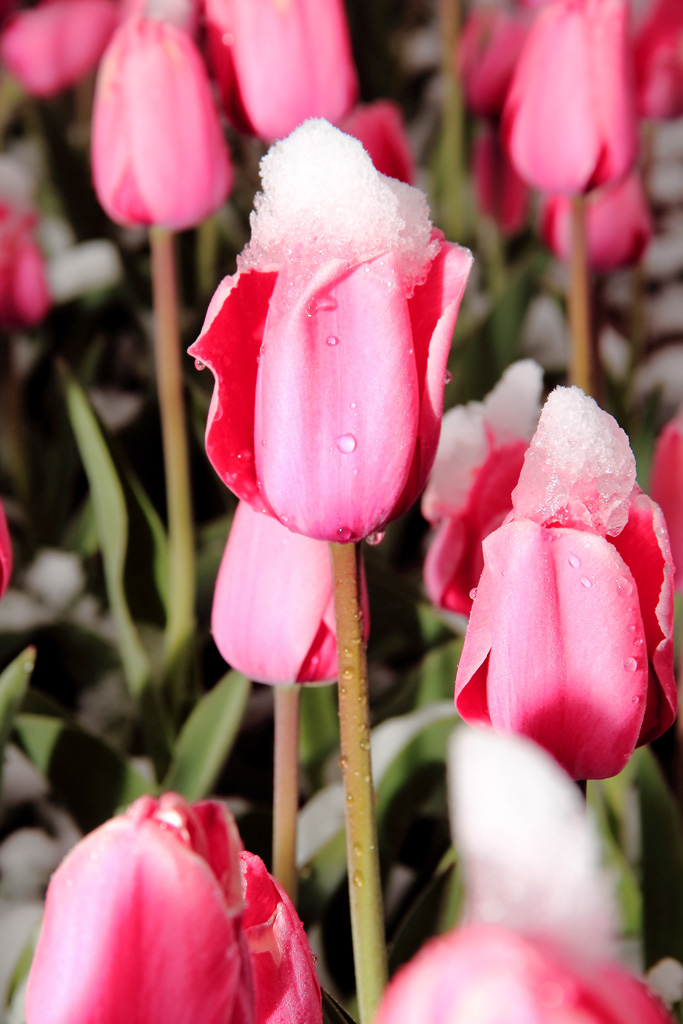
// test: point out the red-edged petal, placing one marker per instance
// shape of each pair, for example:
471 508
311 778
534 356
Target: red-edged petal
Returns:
448 568
5 553
285 981
644 546
273 589
611 66
666 488
557 617
230 345
337 401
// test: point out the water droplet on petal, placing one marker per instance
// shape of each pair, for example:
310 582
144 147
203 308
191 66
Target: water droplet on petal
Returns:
585 582
346 443
355 470
312 308
574 561
630 664
227 39
473 593
327 302
332 340
285 519
344 534
199 365
448 377
376 538
353 405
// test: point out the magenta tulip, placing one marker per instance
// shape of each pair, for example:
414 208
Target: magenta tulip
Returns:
329 344
286 986
53 45
273 607
618 224
24 295
666 487
379 126
491 42
489 974
142 923
500 192
569 120
469 494
159 156
570 637
278 64
5 553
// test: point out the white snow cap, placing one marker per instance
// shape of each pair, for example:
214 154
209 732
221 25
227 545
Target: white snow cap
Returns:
323 200
530 852
508 413
579 469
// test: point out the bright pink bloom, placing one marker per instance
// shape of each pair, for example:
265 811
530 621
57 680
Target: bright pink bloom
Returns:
329 344
5 553
286 986
491 42
500 192
159 155
24 295
53 45
477 466
570 636
278 64
489 974
569 120
273 607
666 487
619 225
379 126
143 923
658 56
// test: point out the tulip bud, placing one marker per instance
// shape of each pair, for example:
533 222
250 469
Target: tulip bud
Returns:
379 126
658 59
24 295
491 42
666 487
500 192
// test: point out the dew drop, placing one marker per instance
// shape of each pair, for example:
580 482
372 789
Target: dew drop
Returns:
245 455
353 405
199 365
332 340
376 538
349 798
343 762
284 519
327 303
312 308
473 593
344 534
574 561
448 377
227 39
585 582
355 470
357 849
346 443
630 664
315 958
347 673
358 879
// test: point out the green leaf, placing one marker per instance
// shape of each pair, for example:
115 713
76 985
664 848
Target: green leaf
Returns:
432 912
13 686
662 863
92 779
207 736
333 1013
318 728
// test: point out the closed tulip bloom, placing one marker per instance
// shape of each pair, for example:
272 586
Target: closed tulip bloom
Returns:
159 155
500 192
491 42
5 553
569 119
53 45
379 126
24 295
286 986
569 639
142 923
618 225
658 59
278 64
329 344
469 493
666 487
273 607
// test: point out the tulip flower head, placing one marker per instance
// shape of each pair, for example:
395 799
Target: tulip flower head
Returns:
329 344
5 553
500 192
469 493
379 126
569 640
658 58
666 487
491 42
24 294
273 607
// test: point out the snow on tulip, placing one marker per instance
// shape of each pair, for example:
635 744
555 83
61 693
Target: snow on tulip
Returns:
329 344
570 637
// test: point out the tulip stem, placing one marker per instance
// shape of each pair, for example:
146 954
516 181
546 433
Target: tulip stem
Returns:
579 311
452 151
286 787
365 890
180 622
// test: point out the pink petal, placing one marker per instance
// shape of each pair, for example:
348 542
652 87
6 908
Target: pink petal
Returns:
500 191
230 345
5 553
379 126
554 647
491 43
666 488
448 568
611 66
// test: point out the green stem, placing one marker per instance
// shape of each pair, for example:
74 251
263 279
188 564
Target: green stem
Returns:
365 890
180 623
579 310
286 787
453 129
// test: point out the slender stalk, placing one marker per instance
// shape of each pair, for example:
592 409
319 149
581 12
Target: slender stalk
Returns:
453 129
365 891
286 787
579 310
180 623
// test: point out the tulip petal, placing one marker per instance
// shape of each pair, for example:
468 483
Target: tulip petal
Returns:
554 647
611 63
5 553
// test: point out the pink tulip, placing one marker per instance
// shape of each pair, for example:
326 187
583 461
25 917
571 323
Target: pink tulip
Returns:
329 344
569 120
619 225
285 982
280 63
159 156
477 466
570 637
142 923
273 607
379 126
52 46
5 553
666 486
24 295
658 57
500 192
489 974
491 42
